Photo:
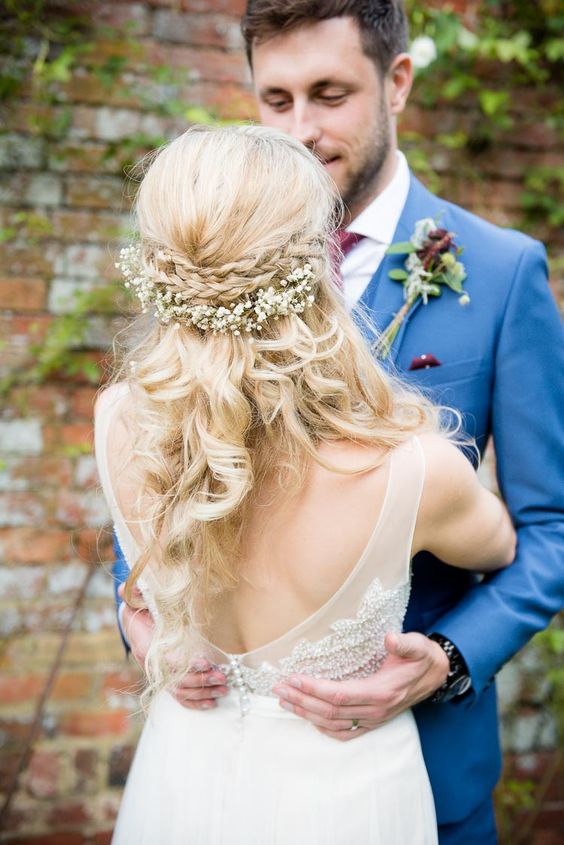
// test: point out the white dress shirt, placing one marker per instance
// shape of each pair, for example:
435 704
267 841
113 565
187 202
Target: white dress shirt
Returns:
377 223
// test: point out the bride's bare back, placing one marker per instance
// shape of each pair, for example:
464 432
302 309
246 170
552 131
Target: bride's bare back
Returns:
300 546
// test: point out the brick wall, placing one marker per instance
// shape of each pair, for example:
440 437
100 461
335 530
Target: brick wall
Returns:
68 713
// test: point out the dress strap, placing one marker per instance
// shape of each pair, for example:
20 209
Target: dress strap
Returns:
108 407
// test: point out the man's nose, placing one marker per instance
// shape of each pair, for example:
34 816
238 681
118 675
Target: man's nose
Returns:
304 127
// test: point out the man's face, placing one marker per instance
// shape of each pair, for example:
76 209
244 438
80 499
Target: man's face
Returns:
316 84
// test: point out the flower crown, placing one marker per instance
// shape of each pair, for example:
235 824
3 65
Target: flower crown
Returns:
247 314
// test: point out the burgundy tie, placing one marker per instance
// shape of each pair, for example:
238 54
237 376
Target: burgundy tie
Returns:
346 241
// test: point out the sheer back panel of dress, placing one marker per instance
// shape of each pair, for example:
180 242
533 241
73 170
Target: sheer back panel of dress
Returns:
370 601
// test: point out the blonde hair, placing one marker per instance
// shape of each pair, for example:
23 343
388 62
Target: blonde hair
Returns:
235 209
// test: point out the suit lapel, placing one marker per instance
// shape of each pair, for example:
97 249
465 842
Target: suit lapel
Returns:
383 297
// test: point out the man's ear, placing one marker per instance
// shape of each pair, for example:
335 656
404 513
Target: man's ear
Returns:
399 82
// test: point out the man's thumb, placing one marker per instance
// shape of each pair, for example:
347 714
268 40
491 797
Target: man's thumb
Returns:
403 645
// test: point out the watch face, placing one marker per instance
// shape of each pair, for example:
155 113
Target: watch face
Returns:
460 686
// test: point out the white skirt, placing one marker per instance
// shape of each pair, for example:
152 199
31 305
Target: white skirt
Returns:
270 778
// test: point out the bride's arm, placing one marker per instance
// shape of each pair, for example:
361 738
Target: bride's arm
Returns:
460 521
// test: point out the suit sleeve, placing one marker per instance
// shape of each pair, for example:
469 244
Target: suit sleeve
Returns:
501 613
120 572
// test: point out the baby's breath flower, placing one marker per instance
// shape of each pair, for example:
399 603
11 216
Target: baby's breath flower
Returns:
293 297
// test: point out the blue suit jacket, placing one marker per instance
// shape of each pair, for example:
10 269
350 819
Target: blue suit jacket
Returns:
502 366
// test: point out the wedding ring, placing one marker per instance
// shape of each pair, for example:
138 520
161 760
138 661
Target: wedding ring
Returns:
355 725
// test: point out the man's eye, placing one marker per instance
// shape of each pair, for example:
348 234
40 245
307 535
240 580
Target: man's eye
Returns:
277 104
332 98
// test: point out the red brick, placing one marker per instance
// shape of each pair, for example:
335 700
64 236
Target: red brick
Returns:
122 14
59 838
203 30
86 767
85 157
95 723
17 335
28 116
103 49
26 260
483 195
541 836
232 103
425 121
87 89
230 7
16 690
42 774
21 509
93 546
120 763
15 732
88 226
69 813
82 402
124 682
43 472
104 837
70 686
20 324
536 134
96 192
21 293
47 400
9 763
205 64
34 545
69 435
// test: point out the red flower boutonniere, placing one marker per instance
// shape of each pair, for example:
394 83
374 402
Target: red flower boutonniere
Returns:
431 262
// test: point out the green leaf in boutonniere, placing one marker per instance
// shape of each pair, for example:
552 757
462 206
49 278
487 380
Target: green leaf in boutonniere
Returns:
401 248
431 262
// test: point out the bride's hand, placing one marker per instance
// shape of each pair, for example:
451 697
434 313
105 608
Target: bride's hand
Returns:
413 669
199 688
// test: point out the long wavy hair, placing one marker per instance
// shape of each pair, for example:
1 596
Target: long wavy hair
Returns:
214 415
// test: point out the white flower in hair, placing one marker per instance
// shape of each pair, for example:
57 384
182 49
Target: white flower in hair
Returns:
248 314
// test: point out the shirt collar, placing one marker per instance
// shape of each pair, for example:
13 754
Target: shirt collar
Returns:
379 220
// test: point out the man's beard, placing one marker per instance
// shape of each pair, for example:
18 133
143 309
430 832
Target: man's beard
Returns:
364 181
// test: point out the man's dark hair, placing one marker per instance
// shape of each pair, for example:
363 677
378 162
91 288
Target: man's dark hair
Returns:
382 23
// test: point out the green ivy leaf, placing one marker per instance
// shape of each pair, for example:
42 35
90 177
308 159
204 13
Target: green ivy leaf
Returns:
493 102
401 248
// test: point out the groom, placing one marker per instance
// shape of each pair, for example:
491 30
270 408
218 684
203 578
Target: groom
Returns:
335 75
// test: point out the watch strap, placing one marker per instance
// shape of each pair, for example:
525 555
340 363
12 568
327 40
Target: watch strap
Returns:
458 680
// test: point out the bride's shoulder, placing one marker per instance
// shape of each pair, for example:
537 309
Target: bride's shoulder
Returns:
110 398
448 471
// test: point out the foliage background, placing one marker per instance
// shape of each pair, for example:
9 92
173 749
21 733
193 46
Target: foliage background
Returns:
87 87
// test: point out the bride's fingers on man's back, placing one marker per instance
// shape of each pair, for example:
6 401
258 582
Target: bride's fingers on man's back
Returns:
183 694
200 680
136 592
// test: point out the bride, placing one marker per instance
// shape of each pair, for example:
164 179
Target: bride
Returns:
269 485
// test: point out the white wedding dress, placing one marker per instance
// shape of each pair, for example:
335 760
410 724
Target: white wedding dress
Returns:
251 773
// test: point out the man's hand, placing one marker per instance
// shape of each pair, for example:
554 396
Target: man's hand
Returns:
199 688
414 668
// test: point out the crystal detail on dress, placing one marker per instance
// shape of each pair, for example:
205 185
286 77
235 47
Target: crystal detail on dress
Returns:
235 677
354 648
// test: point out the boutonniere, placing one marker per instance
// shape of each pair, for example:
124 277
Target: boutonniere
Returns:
431 262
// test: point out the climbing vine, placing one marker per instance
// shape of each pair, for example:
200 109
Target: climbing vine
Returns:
485 64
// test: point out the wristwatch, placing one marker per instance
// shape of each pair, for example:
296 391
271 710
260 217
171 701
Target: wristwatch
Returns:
458 681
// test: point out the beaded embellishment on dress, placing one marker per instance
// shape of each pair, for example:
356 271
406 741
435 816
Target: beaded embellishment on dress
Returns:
353 649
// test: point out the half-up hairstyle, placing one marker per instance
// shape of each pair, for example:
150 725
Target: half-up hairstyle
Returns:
223 212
